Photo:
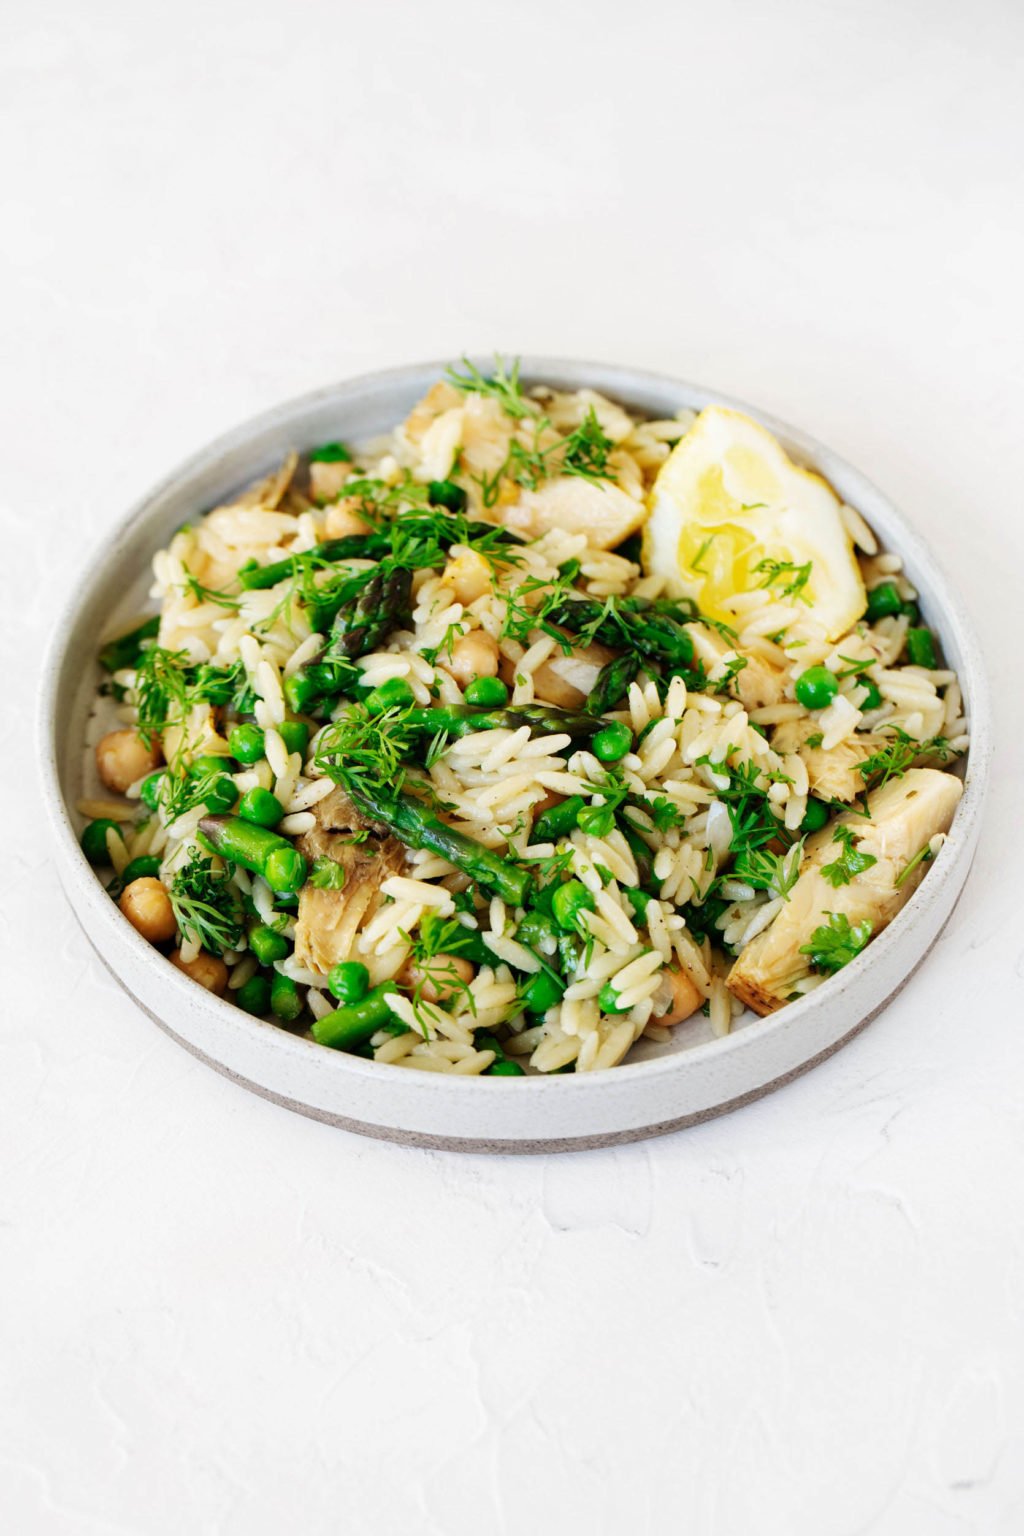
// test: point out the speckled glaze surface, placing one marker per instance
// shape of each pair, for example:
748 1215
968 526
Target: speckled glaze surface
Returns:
682 1083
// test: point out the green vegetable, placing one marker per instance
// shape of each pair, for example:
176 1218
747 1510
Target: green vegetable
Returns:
649 629
267 944
254 995
836 943
416 826
126 650
613 742
327 874
394 694
364 620
331 453
639 901
851 860
220 793
94 839
206 905
613 680
353 1024
256 848
285 1002
874 697
295 735
145 867
260 807
815 816
542 991
354 546
504 1068
487 692
608 1000
151 789
349 981
884 601
569 902
535 929
596 820
321 680
921 648
462 719
558 820
247 743
816 687
445 493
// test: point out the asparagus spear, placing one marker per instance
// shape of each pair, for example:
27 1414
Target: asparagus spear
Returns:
266 853
353 1024
380 605
462 719
417 827
612 681
355 546
636 623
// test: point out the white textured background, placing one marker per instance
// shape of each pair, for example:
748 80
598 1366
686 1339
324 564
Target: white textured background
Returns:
802 1320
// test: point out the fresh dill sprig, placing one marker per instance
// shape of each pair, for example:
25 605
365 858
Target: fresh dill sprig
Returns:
206 904
502 385
789 578
922 856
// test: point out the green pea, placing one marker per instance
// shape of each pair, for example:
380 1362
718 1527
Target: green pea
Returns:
331 453
874 698
504 1068
613 742
145 867
816 688
921 648
254 995
445 493
543 899
151 790
285 869
295 735
542 992
608 1000
349 981
638 900
487 692
94 839
536 928
570 900
246 743
884 601
220 794
596 820
394 694
267 944
260 807
207 763
285 1002
815 816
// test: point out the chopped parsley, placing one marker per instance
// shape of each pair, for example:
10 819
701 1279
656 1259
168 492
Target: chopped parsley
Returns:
836 942
790 579
327 875
851 860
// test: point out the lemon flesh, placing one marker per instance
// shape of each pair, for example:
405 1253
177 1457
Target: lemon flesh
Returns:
730 513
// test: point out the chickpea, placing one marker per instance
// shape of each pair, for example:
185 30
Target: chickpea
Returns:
209 970
147 906
469 576
439 979
686 999
343 518
472 655
122 757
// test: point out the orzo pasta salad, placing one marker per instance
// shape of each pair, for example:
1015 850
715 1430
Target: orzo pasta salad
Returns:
528 731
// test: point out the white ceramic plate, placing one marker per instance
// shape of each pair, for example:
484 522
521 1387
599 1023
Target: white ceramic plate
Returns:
689 1080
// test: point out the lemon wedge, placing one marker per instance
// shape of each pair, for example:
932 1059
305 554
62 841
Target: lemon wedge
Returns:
731 514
